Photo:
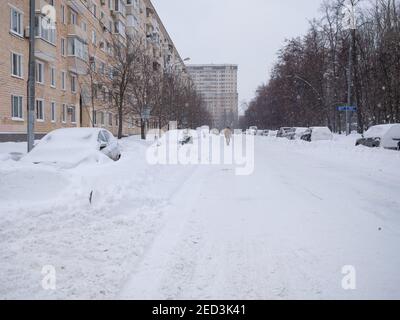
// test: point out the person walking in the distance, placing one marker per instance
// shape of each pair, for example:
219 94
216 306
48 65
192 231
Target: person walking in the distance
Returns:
228 135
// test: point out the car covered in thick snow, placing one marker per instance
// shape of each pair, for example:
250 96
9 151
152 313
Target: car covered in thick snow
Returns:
252 131
296 133
74 146
215 132
265 133
386 136
317 134
284 132
272 133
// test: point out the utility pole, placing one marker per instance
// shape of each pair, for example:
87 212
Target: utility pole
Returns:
352 28
31 78
349 83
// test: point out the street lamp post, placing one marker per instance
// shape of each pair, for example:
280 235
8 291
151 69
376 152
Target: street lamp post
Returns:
351 21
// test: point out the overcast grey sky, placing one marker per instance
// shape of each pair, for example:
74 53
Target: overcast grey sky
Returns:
245 32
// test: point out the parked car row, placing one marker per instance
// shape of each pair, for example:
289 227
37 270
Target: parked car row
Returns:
295 133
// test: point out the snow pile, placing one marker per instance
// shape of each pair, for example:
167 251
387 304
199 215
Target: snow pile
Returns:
12 150
46 218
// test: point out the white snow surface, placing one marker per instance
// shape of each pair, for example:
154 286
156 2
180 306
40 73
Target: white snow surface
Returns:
200 232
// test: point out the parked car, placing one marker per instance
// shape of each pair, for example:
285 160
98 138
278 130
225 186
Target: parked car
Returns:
265 133
73 146
205 129
283 132
296 133
215 132
386 136
317 134
272 133
253 131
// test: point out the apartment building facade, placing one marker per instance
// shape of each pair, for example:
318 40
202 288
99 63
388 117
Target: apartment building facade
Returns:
71 37
218 86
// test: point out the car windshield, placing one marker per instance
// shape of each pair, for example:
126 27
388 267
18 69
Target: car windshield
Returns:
377 131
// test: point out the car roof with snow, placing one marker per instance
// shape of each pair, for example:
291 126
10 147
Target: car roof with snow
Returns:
380 130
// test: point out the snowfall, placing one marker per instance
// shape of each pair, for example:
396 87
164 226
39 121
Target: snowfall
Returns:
286 231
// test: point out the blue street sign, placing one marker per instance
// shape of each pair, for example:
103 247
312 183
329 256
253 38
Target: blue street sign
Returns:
347 108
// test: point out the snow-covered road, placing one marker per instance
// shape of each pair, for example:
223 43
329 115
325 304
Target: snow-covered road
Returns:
284 232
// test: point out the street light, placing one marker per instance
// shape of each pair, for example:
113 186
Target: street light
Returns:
350 20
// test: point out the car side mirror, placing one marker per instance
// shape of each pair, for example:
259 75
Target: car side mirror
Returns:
103 145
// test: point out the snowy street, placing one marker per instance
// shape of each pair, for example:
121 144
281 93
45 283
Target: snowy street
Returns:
201 232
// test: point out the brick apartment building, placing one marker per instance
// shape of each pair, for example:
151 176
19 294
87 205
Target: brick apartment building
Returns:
80 37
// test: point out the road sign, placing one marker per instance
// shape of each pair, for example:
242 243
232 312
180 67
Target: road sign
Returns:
347 108
146 113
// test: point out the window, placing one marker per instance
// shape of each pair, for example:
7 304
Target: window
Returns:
63 79
64 113
73 17
110 119
104 93
16 107
63 14
16 22
40 72
101 115
119 28
116 120
94 10
63 47
73 83
39 110
16 65
53 112
120 6
94 38
52 77
84 26
73 114
94 117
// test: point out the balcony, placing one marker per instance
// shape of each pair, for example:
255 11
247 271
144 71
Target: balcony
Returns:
77 6
75 30
77 65
45 51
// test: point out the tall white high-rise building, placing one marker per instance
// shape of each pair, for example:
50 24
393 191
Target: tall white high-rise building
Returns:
218 86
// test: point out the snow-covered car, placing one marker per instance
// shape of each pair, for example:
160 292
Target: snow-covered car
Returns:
265 133
317 134
272 133
187 137
74 146
215 132
386 136
283 132
253 131
296 133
